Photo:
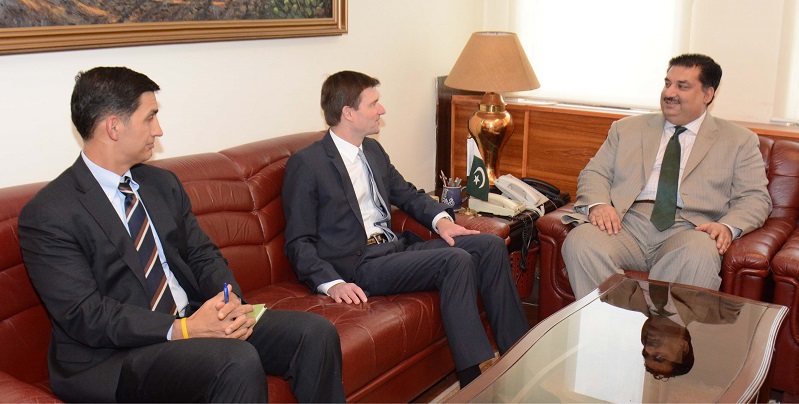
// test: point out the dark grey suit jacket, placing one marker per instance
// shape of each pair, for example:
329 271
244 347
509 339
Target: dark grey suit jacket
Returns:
325 236
84 266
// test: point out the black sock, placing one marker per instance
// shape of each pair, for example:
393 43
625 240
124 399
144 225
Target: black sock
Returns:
467 375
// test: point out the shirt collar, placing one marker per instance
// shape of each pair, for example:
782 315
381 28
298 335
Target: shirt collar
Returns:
692 126
109 181
345 148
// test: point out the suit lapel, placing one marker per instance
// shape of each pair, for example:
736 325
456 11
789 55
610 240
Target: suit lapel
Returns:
707 136
164 225
650 143
344 176
96 203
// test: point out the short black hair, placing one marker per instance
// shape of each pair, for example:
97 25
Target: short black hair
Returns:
103 91
343 89
709 70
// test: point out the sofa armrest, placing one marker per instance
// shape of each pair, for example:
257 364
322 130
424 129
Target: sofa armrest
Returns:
402 221
550 224
748 260
13 390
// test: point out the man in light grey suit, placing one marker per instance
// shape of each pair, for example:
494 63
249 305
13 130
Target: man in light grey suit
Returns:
720 189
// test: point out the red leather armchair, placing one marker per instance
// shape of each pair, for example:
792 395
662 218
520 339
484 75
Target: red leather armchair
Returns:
746 267
785 272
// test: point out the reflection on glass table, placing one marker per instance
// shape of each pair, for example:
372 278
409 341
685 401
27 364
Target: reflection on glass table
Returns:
639 341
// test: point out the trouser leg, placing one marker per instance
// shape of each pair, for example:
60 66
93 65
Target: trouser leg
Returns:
497 288
303 348
193 370
433 265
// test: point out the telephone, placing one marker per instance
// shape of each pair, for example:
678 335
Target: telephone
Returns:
498 205
515 189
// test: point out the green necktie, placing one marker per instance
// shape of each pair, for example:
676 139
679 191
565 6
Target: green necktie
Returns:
666 200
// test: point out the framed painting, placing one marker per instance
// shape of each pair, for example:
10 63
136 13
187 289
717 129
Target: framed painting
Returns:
49 25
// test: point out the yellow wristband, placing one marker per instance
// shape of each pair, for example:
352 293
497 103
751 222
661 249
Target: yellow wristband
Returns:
183 328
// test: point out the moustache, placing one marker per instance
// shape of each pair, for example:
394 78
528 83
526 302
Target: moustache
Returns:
671 99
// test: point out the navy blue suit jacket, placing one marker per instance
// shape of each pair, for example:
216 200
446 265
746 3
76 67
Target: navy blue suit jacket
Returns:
325 236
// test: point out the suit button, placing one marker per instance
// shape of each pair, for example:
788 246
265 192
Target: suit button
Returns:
359 253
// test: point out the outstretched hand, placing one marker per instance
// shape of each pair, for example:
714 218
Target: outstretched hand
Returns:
606 218
347 292
718 232
448 230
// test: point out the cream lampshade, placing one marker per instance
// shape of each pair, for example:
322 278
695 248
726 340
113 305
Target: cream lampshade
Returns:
493 62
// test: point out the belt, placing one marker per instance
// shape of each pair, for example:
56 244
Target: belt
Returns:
652 202
377 238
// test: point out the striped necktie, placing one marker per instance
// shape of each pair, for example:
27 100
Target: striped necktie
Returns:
141 232
666 200
377 200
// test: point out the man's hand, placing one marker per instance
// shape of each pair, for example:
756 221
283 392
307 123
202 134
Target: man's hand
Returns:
718 232
347 292
217 319
448 230
606 218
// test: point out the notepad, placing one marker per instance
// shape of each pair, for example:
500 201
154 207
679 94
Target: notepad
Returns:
258 310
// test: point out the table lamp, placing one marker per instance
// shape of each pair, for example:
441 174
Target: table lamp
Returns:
493 62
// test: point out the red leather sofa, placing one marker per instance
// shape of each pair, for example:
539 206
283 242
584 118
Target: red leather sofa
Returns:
746 268
394 346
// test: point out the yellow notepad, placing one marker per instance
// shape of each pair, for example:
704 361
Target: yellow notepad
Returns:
258 310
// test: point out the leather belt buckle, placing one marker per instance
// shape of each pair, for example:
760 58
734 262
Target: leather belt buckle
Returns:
377 238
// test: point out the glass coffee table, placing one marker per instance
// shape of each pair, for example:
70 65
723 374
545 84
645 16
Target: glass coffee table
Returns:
639 341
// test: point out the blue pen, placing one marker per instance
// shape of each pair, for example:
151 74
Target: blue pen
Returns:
226 293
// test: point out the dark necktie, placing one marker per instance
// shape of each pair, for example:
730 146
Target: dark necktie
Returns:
141 232
377 200
666 200
659 294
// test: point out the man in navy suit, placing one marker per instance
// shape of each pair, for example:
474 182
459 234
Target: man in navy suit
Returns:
337 198
110 341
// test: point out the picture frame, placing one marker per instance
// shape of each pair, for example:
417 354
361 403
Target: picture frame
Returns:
58 38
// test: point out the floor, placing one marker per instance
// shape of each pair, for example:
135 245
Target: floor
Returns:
448 386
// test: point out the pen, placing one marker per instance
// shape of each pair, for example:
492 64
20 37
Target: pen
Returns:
227 297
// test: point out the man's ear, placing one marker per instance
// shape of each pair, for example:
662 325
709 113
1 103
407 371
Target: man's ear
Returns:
346 112
709 94
112 126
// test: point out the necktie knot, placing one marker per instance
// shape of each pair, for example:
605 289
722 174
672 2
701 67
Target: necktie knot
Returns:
679 130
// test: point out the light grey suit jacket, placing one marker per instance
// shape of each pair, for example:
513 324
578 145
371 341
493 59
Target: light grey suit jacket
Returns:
724 178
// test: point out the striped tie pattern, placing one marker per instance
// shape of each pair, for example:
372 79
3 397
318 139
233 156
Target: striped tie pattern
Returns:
378 201
141 232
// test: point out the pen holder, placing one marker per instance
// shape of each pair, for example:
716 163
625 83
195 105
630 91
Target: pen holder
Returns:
452 196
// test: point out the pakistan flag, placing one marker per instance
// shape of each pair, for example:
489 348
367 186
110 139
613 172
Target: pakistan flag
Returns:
477 184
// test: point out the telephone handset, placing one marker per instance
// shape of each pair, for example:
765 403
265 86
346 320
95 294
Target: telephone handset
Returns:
515 189
497 205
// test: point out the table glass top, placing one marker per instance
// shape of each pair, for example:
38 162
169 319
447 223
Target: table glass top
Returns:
638 342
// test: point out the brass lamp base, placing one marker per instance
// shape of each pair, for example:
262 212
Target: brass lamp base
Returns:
491 126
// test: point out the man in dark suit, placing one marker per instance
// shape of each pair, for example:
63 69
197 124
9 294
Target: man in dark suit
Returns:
337 198
147 321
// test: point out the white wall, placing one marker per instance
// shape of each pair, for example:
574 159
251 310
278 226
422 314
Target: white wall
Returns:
220 94
743 36
216 95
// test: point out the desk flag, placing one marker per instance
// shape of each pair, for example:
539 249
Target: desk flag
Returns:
477 184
